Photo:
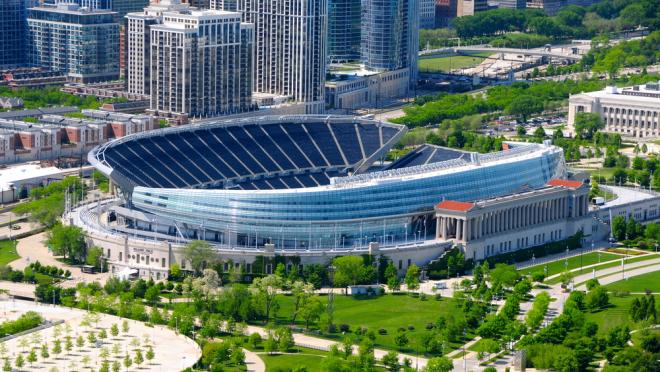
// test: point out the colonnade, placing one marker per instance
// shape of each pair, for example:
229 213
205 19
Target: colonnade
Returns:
492 221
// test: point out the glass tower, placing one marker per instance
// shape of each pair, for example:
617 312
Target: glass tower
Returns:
344 29
13 28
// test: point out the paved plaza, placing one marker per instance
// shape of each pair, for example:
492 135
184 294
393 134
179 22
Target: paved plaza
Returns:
171 351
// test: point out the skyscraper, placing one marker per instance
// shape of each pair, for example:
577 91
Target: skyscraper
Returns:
426 13
81 43
390 35
138 40
344 27
13 31
201 64
289 48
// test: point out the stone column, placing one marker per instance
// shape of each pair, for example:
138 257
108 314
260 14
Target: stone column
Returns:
466 230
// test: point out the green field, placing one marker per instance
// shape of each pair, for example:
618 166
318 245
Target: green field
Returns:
8 252
559 266
448 63
388 312
615 315
638 283
304 357
607 265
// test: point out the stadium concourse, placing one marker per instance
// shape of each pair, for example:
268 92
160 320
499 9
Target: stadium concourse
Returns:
307 187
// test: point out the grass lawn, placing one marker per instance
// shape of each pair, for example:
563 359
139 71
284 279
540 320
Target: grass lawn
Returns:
607 265
615 315
8 251
447 63
388 312
301 357
638 283
574 262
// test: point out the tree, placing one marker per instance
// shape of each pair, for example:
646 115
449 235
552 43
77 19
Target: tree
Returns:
587 123
32 357
284 339
503 275
95 257
412 277
312 311
255 339
523 106
200 254
67 241
57 347
597 298
349 270
44 351
139 359
439 364
539 133
401 339
392 277
566 362
152 295
125 326
80 342
391 361
271 344
619 227
150 354
114 330
521 131
116 367
128 362
19 361
264 292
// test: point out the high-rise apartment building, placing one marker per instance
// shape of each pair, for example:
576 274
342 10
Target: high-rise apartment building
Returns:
13 31
445 11
79 42
201 64
512 4
427 13
289 47
199 4
344 28
470 7
138 41
390 35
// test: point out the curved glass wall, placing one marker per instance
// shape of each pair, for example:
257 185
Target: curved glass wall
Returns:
389 211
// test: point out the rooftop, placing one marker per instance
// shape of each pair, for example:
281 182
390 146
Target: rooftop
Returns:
9 176
565 183
457 206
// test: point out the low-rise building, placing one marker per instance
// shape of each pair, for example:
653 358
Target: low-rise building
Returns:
16 182
55 136
360 88
522 220
632 112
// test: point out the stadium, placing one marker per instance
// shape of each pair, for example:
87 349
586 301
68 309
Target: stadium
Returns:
307 186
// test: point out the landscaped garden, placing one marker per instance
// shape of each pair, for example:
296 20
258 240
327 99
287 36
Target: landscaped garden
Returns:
574 262
449 63
637 284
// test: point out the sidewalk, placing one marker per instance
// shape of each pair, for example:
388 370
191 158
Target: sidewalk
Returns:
614 277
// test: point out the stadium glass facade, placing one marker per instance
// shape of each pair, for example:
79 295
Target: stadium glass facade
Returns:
391 207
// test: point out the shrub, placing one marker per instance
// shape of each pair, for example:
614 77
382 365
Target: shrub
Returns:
423 297
411 327
430 325
401 329
344 328
382 331
438 297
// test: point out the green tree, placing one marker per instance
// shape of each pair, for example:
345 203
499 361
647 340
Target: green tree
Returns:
139 359
587 123
597 298
619 227
439 364
349 270
32 357
401 339
539 132
95 257
412 277
80 342
116 367
44 351
391 361
128 362
523 106
20 362
264 292
114 330
521 131
67 241
200 254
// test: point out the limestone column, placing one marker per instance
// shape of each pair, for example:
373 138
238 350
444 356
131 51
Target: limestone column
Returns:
466 230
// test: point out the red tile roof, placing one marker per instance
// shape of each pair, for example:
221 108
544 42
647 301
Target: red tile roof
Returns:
455 206
565 183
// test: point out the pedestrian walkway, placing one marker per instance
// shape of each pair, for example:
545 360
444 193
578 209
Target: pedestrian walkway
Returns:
630 272
322 344
33 248
253 362
581 279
